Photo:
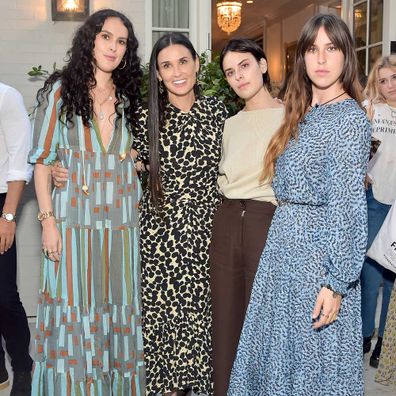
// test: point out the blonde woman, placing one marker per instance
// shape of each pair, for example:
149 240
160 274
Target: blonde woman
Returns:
381 193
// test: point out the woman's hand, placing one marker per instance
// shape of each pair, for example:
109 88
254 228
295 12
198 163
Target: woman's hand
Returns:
326 308
139 165
59 174
51 239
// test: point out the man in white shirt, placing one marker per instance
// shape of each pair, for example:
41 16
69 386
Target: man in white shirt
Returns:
15 172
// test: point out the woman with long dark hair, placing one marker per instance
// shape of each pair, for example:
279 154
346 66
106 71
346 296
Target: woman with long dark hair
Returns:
241 223
88 336
302 333
181 142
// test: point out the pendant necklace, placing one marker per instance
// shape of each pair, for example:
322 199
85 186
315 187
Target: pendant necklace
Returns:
108 98
322 104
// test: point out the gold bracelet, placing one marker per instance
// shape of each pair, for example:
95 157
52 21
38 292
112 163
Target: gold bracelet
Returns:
45 215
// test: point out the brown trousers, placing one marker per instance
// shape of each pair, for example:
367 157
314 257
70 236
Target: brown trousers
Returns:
239 233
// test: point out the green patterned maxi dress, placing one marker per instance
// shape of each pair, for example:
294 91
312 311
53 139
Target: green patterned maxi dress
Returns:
88 336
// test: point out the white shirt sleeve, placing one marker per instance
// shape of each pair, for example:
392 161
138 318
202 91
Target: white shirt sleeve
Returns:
15 125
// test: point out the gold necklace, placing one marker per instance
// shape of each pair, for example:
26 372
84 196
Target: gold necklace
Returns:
108 98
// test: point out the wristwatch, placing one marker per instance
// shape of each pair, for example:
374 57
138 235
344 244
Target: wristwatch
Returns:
44 215
9 217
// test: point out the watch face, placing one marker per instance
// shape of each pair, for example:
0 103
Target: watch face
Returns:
9 216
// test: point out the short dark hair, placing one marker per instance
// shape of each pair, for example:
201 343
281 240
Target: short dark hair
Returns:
246 45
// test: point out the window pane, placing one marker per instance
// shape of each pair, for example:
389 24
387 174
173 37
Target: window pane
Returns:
374 54
158 35
361 55
376 17
171 13
360 24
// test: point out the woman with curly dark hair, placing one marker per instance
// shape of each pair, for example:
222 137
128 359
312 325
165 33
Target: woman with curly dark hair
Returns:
89 338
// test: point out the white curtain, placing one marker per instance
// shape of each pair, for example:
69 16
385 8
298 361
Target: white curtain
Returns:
171 14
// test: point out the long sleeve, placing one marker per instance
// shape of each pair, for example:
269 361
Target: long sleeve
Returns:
140 136
15 131
46 128
347 212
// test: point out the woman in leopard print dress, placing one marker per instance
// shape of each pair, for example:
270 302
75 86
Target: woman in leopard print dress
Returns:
183 150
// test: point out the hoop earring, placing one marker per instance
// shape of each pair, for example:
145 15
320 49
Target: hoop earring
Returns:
123 67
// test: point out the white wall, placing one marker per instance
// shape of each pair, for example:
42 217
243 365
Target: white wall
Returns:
28 37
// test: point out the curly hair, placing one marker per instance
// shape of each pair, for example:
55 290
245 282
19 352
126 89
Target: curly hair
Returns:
371 92
78 78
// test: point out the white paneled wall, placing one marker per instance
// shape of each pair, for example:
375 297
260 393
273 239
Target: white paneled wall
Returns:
29 38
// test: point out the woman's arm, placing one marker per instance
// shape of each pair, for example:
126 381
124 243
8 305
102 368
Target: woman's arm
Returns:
51 238
346 237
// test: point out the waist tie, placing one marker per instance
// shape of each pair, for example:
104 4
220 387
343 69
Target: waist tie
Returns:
307 204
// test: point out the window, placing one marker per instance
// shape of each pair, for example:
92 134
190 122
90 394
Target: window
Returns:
367 27
170 16
190 17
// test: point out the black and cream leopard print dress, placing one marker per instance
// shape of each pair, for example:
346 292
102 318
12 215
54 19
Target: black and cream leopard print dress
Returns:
174 249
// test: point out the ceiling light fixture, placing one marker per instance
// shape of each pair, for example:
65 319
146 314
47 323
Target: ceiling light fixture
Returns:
229 15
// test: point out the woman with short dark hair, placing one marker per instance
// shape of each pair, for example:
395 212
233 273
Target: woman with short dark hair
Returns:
241 223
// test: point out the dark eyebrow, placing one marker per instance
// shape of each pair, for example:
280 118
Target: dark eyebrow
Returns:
243 60
167 61
111 34
239 63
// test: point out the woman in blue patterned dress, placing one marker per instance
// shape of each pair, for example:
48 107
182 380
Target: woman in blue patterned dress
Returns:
302 332
88 336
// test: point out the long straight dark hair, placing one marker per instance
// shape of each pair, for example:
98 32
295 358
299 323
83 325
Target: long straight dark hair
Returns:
298 95
158 100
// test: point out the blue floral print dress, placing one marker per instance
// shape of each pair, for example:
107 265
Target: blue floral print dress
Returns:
318 236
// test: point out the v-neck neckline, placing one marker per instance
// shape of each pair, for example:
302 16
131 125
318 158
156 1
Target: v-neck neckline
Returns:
99 136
